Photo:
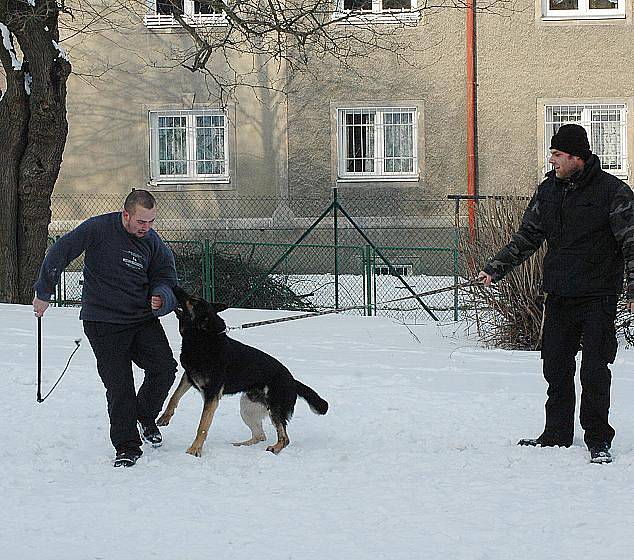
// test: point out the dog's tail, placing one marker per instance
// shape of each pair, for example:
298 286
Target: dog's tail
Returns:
316 403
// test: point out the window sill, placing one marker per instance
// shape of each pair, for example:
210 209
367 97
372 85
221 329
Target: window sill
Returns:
394 17
379 179
185 184
583 17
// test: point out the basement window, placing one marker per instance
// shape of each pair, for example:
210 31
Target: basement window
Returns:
400 269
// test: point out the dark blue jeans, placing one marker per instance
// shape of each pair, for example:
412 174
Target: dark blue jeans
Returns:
571 324
116 347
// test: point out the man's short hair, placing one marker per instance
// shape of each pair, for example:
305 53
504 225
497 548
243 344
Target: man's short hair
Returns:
139 198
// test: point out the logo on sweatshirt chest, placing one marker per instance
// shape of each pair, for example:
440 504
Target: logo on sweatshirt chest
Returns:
133 260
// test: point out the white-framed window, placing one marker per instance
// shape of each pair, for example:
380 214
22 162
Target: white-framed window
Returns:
606 125
377 143
189 146
583 9
160 13
380 11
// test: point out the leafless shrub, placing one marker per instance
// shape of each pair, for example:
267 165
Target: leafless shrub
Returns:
509 313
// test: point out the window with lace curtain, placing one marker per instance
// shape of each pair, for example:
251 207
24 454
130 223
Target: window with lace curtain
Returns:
377 143
606 125
160 13
377 11
188 146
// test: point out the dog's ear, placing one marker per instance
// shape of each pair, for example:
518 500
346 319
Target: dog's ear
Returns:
181 295
219 307
178 291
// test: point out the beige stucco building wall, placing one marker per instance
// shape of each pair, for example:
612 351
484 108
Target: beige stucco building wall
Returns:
122 75
522 63
289 149
436 86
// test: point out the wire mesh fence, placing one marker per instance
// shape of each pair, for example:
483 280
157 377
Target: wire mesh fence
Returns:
245 251
390 219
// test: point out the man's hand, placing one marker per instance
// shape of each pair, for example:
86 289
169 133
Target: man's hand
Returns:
630 306
156 302
39 306
485 278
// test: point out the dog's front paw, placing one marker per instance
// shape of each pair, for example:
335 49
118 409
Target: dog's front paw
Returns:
164 419
195 450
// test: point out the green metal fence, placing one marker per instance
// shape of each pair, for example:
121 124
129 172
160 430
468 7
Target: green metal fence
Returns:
344 250
309 277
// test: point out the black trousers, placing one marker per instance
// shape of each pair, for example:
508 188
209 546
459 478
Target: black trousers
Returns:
116 347
571 324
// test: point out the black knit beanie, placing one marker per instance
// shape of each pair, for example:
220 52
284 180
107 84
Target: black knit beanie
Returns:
572 139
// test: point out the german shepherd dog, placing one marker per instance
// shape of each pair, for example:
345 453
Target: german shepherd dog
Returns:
218 365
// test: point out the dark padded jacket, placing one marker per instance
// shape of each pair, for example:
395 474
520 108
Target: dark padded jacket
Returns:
588 224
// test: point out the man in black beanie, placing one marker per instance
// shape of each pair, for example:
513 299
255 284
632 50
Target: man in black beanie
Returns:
587 217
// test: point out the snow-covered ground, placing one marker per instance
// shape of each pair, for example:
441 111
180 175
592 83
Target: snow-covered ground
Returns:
416 458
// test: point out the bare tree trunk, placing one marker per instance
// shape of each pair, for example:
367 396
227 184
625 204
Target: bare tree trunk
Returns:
36 130
13 137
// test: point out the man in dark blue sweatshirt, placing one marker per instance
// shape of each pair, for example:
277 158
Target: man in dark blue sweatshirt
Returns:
128 278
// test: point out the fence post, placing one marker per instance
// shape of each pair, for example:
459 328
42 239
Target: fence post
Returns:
455 281
212 270
206 272
59 284
335 204
456 241
368 259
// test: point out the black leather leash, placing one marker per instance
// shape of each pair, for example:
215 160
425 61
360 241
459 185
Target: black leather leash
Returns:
466 284
41 399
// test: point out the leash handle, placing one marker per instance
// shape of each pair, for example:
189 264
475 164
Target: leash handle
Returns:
39 359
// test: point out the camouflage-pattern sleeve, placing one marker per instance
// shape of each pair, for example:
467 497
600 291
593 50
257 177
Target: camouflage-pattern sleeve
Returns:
522 245
622 224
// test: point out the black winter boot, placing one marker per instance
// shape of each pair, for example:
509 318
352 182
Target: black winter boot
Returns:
545 441
150 433
600 453
127 457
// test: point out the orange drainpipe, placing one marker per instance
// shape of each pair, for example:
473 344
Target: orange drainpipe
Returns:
471 115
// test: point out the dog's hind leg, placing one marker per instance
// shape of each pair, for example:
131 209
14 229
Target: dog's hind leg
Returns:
209 409
252 413
282 437
182 388
281 397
